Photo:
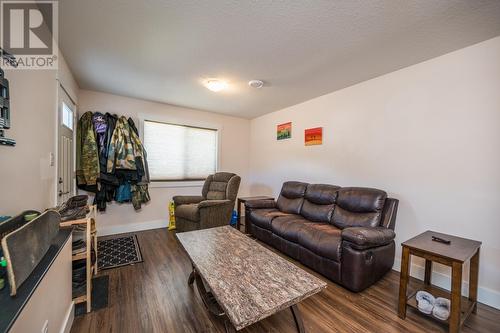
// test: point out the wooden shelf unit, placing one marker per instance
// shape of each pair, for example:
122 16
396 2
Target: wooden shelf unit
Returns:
90 243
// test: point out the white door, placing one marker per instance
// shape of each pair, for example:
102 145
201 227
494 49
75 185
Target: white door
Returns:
66 147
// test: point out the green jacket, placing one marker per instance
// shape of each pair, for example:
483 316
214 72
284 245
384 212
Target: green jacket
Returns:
124 147
87 154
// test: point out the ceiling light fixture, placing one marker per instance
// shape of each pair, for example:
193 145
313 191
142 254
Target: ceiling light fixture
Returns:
216 85
256 84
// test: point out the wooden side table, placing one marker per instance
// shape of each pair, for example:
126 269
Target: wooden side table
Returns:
455 254
242 201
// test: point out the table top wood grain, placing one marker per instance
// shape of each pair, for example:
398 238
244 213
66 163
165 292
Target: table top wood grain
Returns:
249 281
460 249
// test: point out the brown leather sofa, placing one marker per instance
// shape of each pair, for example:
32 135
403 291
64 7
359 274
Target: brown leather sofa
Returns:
344 233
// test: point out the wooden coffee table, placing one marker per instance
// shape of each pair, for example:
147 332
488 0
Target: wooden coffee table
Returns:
455 254
242 281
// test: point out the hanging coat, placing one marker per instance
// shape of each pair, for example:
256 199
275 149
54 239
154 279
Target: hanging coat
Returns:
145 177
87 154
121 150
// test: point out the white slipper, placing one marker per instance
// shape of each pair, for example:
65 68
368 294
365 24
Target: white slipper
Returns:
441 308
425 302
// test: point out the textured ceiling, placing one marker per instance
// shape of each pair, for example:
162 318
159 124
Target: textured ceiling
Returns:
161 50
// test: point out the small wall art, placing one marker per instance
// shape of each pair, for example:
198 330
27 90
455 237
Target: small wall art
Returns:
284 131
313 136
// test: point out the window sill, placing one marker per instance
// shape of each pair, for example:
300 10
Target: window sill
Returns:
177 184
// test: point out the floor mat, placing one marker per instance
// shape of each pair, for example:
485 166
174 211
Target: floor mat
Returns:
117 251
100 287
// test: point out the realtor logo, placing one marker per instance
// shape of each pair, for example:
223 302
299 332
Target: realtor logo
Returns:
29 34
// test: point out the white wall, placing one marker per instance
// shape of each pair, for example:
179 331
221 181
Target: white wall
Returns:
428 134
27 180
234 137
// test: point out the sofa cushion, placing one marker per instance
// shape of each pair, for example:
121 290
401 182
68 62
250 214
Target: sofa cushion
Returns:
319 202
288 227
358 207
263 217
322 239
189 212
291 197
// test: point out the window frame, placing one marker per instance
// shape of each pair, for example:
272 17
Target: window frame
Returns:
72 118
180 122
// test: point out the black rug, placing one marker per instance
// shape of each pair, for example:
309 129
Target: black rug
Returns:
118 251
100 286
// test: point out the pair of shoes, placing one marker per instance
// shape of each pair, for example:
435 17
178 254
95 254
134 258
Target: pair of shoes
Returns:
78 246
75 208
79 282
439 307
76 213
77 201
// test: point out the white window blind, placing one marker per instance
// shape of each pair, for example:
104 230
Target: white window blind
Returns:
177 152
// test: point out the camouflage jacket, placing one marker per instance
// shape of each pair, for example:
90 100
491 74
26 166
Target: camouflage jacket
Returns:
124 147
87 155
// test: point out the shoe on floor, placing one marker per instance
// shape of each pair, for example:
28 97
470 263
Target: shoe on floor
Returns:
425 302
441 308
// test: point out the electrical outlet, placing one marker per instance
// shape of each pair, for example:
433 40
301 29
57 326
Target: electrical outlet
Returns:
51 159
45 327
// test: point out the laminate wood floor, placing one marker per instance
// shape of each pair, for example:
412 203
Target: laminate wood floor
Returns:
153 296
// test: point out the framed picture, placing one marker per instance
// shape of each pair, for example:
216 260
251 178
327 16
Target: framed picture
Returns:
284 131
313 136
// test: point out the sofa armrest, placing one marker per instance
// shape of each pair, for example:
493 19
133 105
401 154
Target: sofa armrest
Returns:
187 199
213 203
364 238
256 204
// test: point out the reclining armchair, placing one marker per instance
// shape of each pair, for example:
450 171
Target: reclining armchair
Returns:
212 208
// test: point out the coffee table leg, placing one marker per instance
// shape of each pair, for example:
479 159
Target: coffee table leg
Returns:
297 318
191 277
229 327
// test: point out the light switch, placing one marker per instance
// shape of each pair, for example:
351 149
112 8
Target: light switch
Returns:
51 159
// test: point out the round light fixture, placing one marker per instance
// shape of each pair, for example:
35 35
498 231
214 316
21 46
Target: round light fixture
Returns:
216 85
256 84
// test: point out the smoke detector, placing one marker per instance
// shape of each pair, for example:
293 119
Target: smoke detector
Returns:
256 84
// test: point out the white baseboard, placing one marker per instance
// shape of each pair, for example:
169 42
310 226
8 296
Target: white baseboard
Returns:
68 319
124 228
486 296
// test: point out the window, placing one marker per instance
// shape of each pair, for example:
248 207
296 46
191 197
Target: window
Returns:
177 152
67 116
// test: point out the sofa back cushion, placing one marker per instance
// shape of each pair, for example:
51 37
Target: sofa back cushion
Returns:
291 197
358 207
319 202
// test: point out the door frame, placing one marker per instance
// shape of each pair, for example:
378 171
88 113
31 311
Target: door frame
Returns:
59 88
